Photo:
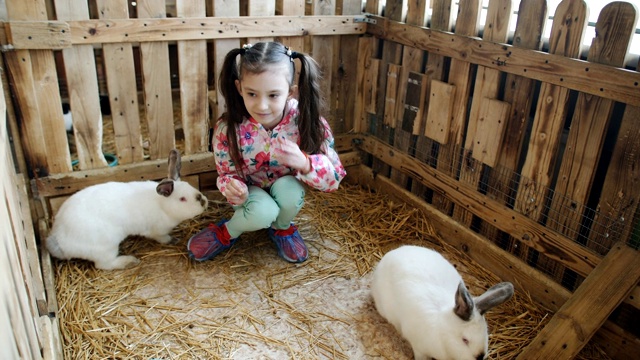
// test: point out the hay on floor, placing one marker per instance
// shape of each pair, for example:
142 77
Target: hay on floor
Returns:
247 303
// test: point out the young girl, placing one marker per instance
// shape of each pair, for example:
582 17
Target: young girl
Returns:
266 146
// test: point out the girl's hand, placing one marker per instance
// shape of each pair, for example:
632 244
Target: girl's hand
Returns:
289 154
236 192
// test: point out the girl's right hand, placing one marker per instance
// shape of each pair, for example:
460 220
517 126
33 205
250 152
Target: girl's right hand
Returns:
236 192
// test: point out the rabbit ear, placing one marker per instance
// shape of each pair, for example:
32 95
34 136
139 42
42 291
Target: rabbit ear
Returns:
464 303
494 296
165 187
174 165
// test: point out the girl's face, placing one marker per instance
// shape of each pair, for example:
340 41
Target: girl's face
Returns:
265 95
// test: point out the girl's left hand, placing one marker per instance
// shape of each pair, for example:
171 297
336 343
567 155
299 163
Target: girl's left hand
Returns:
288 153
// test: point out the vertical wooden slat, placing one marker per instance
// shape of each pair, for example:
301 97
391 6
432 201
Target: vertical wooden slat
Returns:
84 95
261 8
121 81
391 95
156 82
441 19
325 52
532 16
34 81
487 86
614 28
391 54
460 76
17 285
621 188
347 72
223 8
192 64
537 171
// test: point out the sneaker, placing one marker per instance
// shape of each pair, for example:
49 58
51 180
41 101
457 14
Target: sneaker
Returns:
210 242
290 245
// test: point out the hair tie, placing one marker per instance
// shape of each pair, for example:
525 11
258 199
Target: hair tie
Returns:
246 47
291 54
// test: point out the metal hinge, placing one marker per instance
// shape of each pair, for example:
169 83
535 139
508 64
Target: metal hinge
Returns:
365 19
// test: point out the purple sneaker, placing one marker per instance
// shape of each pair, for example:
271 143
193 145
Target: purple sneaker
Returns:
210 242
290 245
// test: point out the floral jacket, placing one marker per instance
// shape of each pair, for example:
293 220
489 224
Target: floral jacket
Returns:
261 169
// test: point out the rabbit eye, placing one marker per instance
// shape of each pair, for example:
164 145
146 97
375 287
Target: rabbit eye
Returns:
465 341
183 199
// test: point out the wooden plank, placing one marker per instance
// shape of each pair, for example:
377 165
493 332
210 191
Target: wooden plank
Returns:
548 242
490 127
391 53
605 81
68 183
459 75
347 72
37 35
532 16
82 83
222 8
365 78
371 86
261 8
325 53
414 100
538 169
487 86
588 308
440 111
35 87
620 191
123 92
391 95
192 63
441 19
615 26
20 286
156 76
90 32
412 60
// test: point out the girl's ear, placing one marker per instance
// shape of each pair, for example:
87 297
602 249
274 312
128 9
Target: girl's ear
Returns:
293 92
238 86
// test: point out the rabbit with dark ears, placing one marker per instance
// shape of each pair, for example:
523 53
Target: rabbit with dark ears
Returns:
424 297
92 223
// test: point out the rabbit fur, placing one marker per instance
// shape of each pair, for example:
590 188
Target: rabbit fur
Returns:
93 222
424 297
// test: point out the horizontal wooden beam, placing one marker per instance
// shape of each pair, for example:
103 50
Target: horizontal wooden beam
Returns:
601 80
64 34
68 183
571 328
548 242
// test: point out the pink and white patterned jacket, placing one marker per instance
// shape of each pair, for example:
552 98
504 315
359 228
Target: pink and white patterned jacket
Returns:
260 167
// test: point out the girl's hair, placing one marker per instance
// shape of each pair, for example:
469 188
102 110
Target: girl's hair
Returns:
260 57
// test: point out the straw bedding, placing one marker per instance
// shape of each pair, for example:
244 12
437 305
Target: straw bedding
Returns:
247 303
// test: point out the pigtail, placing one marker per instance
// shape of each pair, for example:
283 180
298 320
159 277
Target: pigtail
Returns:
235 105
312 131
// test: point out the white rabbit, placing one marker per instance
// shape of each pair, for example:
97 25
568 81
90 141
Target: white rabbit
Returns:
93 222
423 296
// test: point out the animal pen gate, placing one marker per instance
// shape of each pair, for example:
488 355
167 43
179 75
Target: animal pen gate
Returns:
524 156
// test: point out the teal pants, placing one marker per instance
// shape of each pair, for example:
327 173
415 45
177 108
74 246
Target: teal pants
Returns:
274 207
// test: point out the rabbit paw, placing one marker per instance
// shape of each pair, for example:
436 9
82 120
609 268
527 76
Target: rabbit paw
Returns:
120 262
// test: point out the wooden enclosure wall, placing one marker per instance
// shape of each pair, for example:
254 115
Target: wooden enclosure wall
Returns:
533 148
524 155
